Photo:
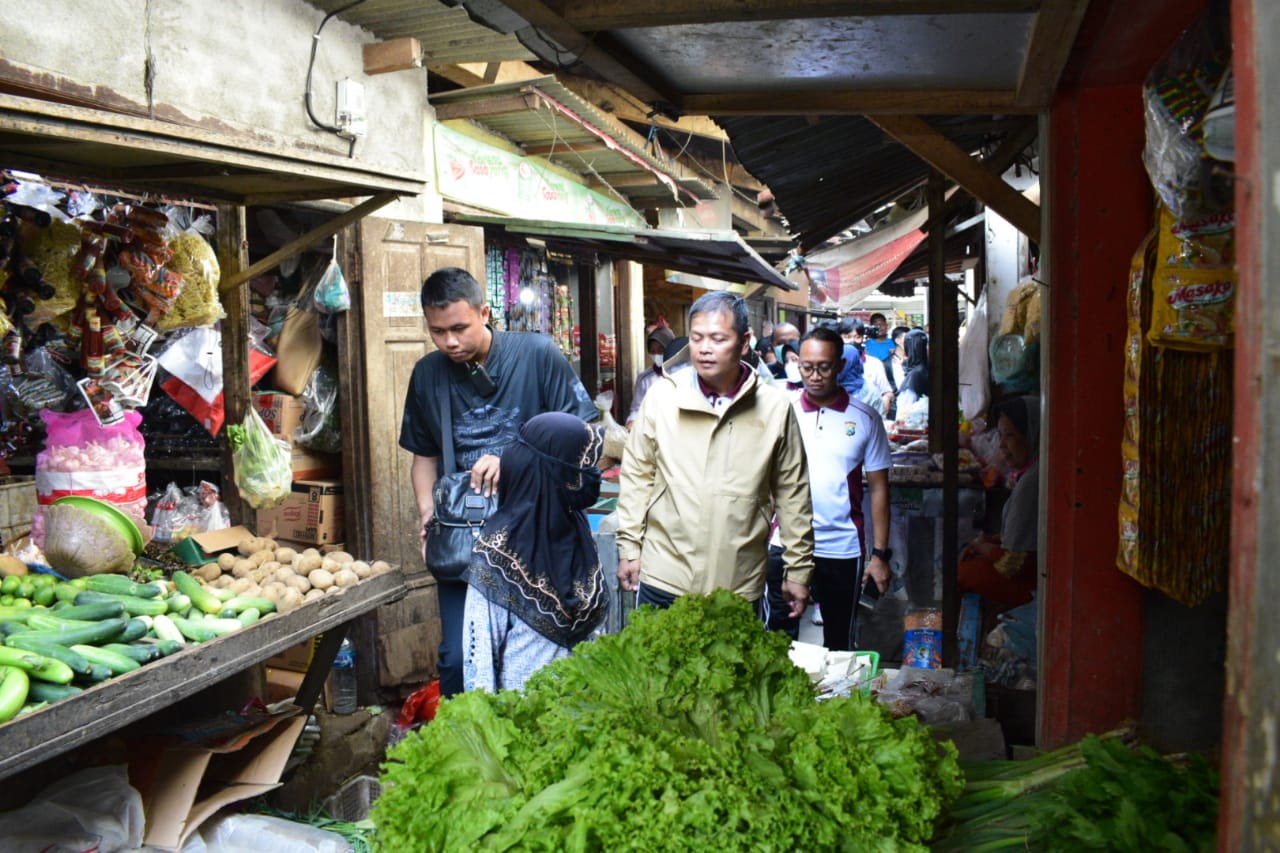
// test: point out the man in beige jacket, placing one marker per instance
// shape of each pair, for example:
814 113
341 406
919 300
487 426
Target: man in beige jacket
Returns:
714 452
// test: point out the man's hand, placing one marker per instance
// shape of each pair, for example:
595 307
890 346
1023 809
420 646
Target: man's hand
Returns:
797 597
878 571
629 574
484 474
427 515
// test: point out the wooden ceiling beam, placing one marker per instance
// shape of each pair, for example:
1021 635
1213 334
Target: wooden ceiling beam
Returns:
596 15
947 157
621 104
613 64
855 102
1052 35
622 180
1005 155
486 107
485 73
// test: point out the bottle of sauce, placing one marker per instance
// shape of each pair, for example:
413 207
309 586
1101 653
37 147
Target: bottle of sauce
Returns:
91 345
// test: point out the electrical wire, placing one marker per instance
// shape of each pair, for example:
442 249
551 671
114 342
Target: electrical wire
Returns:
553 126
311 64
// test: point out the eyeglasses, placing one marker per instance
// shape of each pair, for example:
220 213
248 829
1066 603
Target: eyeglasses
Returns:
826 368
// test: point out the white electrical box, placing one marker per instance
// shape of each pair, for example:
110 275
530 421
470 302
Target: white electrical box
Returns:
352 120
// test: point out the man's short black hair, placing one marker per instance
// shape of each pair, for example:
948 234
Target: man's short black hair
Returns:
897 333
873 317
826 335
846 326
719 301
450 284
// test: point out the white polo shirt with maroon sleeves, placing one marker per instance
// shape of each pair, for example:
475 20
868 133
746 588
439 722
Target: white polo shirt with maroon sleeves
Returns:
841 440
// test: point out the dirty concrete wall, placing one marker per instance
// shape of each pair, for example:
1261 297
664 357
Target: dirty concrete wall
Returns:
235 66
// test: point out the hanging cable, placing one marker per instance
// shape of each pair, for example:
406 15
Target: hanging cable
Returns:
311 64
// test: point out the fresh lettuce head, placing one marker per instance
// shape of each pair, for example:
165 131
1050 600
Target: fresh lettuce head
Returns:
690 730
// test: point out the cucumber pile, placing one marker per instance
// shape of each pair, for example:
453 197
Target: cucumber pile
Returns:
60 637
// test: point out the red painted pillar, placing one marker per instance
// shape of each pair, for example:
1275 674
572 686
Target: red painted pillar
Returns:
1101 203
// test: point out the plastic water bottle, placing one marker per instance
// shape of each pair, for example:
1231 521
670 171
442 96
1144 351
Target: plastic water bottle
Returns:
342 678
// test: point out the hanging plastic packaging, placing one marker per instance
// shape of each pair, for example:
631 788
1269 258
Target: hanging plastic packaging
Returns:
263 463
331 294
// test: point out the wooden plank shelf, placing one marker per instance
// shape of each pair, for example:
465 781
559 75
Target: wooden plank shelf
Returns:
124 699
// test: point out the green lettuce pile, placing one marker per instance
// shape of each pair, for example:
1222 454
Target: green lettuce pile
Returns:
690 730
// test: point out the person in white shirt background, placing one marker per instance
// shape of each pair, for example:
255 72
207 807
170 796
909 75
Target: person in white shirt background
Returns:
842 439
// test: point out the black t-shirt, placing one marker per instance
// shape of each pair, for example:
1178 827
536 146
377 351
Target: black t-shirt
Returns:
532 377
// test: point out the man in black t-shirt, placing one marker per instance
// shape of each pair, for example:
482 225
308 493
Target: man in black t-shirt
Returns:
496 381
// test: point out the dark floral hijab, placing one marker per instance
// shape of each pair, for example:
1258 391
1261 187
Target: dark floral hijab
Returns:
535 555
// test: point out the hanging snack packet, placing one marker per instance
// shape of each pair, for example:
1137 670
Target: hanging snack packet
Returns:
193 259
1194 283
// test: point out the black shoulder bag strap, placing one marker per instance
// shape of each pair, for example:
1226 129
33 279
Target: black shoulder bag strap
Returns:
446 423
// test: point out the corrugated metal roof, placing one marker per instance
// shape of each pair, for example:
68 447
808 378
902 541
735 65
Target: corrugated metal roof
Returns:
448 35
568 131
829 174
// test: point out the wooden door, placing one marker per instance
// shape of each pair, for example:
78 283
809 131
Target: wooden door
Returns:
386 340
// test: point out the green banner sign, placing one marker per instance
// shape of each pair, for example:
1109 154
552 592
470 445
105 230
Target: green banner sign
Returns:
469 171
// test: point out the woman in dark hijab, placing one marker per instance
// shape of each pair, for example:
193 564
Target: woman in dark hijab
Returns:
535 585
915 375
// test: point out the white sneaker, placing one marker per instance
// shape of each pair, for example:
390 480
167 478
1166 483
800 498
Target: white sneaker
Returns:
816 615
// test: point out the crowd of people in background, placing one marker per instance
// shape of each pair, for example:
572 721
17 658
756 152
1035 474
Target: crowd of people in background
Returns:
743 469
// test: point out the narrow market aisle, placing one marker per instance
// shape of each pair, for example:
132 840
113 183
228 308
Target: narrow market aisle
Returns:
809 632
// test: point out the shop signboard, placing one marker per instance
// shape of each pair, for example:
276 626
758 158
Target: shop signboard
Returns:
472 172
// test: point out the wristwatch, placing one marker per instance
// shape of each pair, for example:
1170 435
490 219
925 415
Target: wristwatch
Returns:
885 554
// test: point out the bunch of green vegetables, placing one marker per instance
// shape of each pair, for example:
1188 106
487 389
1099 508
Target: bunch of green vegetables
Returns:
690 730
1102 793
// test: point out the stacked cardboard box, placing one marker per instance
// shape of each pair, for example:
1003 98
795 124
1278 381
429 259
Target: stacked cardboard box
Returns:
282 414
311 514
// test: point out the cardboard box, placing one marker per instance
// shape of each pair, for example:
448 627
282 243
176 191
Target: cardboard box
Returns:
309 465
295 658
281 412
184 785
282 683
313 513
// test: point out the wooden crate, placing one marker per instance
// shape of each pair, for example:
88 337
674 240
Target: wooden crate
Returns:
17 506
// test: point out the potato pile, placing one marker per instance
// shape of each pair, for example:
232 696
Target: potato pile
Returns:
289 577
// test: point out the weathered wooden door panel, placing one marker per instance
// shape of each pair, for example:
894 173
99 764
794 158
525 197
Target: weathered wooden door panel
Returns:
396 258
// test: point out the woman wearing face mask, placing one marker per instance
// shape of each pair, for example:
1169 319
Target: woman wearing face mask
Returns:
791 366
656 344
535 588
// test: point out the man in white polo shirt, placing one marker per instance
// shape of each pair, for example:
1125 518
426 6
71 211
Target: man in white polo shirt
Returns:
843 438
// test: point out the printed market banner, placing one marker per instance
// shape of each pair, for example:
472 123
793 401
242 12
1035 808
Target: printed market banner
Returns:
472 172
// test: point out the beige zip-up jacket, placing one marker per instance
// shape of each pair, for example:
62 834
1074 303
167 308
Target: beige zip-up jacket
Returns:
699 486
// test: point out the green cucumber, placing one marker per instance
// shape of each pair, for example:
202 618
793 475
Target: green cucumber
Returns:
179 604
224 594
135 629
140 652
166 631
222 627
197 632
10 627
132 604
97 672
248 616
121 585
37 665
165 647
16 614
57 651
202 598
244 602
98 656
14 686
43 691
92 633
91 612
